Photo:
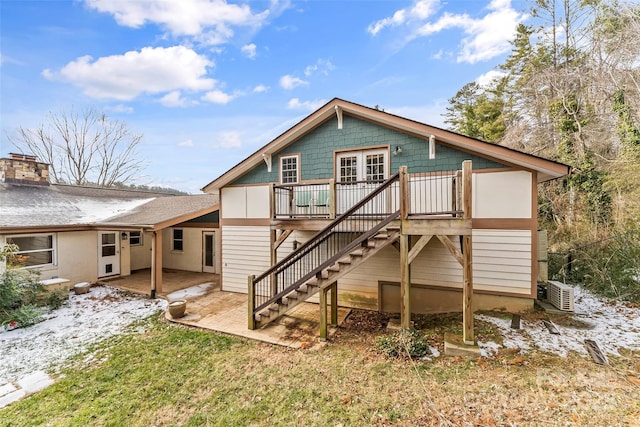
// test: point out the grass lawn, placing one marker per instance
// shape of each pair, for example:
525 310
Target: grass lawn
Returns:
172 375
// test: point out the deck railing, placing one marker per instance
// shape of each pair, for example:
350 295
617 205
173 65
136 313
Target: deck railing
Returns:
364 218
433 193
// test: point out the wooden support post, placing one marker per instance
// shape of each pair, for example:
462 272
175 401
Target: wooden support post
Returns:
334 304
251 302
273 261
404 193
405 283
467 253
156 263
323 314
332 199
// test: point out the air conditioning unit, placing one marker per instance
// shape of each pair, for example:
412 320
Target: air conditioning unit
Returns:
560 295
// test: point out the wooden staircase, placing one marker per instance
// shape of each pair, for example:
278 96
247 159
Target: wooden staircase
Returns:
347 261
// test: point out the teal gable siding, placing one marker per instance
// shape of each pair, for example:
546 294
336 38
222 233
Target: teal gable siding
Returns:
317 148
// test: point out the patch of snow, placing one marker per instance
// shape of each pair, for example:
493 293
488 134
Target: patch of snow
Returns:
70 330
191 292
612 326
488 349
93 210
35 381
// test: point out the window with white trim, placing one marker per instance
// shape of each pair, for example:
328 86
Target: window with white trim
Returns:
135 238
178 243
289 169
35 250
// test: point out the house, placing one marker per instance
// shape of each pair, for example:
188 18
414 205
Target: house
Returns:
367 209
74 233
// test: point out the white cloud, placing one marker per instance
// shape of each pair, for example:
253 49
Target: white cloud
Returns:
289 82
421 10
296 104
211 19
323 66
484 38
260 89
217 97
249 50
151 71
229 140
173 99
121 108
185 143
487 78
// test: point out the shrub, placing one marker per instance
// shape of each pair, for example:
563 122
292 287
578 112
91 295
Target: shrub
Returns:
403 343
610 268
18 289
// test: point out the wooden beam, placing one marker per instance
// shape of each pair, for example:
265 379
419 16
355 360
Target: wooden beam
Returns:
251 302
280 240
332 198
440 226
405 283
404 193
467 266
446 241
420 244
467 293
334 304
323 313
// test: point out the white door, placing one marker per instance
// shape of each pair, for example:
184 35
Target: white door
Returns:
209 252
108 253
359 173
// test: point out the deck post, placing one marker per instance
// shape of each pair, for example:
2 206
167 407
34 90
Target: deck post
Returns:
156 263
251 302
273 261
323 313
405 283
334 304
404 193
332 199
467 268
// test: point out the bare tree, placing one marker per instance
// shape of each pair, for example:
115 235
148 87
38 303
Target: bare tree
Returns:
83 148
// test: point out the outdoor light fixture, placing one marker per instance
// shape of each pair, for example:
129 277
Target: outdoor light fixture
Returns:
397 150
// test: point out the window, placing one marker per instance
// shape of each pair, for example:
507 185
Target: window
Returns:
177 240
289 169
35 250
135 238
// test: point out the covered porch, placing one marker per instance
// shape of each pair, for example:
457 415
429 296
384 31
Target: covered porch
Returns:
173 281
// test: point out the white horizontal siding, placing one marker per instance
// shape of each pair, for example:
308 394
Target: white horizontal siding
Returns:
502 260
245 251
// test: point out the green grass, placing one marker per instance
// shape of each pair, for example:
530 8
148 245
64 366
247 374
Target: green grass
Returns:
168 375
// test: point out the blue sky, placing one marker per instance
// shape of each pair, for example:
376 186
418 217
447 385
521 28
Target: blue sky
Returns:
208 82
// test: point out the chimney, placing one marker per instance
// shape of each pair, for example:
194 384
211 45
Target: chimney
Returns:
23 169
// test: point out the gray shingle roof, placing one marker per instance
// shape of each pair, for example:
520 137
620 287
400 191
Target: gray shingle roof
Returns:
65 205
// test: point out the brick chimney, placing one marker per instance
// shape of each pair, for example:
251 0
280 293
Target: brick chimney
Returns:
23 169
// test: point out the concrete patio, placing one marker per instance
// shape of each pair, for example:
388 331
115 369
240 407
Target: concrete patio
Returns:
226 312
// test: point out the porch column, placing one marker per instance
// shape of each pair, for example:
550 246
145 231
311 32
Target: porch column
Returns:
467 267
156 263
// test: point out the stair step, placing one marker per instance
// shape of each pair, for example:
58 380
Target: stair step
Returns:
322 275
345 260
392 228
312 282
335 267
369 244
274 307
381 236
357 253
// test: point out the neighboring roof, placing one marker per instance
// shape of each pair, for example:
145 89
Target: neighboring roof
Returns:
547 169
167 211
26 207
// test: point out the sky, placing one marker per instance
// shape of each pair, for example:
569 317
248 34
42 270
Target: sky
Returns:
208 82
